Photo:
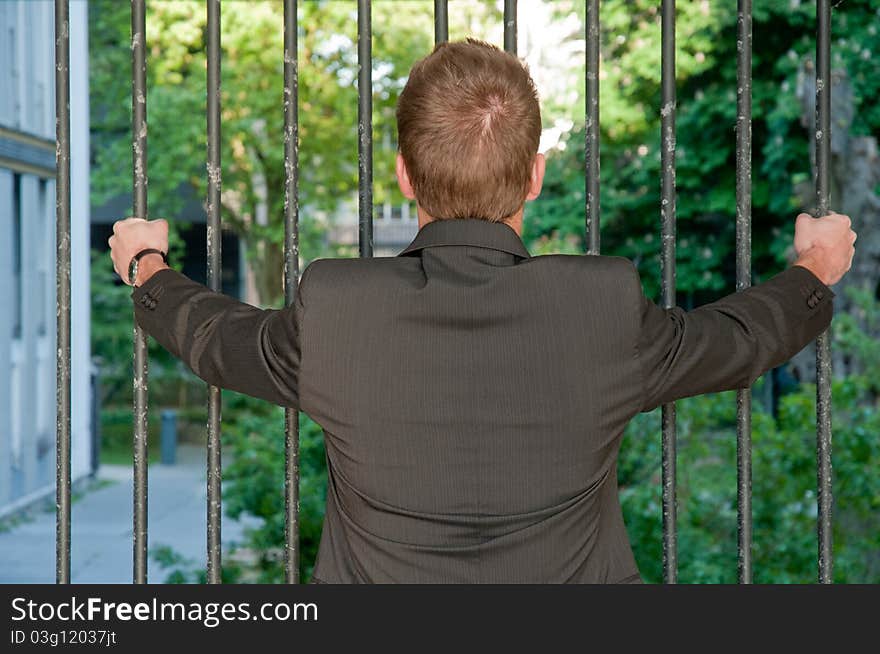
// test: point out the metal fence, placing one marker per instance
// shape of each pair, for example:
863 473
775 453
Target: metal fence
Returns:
365 197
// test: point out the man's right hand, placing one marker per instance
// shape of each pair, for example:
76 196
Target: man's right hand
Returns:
824 245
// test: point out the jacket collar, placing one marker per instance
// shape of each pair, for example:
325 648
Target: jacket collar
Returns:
467 231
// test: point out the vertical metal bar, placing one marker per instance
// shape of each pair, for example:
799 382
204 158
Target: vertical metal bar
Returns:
365 130
139 160
510 26
214 507
441 21
291 280
667 254
62 277
743 281
823 343
592 125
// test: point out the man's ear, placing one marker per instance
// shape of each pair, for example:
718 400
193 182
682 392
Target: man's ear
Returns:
403 179
537 178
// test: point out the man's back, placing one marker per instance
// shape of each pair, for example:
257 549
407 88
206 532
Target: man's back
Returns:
473 400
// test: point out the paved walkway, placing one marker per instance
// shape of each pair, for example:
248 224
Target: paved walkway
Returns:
102 526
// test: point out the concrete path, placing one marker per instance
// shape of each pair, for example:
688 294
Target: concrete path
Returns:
102 526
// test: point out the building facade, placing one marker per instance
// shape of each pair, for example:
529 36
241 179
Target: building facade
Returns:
27 251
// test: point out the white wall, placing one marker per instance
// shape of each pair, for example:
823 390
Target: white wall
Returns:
81 398
27 361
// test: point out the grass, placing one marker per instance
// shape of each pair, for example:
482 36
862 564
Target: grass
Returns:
10 522
117 436
117 431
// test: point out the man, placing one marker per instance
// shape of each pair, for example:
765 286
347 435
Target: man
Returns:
473 397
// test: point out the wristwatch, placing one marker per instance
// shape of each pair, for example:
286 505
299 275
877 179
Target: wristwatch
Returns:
133 265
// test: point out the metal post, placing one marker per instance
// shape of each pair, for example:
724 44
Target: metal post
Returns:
667 253
441 21
743 281
96 419
168 437
510 26
365 130
823 343
139 160
62 276
291 280
592 126
214 283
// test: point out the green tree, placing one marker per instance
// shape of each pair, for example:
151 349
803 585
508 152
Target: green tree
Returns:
706 43
784 472
252 112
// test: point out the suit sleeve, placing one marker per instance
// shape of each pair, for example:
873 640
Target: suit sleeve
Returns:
729 343
227 343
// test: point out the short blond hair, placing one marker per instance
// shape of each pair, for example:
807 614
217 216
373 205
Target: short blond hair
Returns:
468 128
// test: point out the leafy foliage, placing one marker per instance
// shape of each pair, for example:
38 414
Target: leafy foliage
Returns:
254 440
784 448
855 336
252 113
112 339
706 43
783 488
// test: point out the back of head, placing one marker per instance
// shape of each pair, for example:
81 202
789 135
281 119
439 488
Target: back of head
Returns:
468 126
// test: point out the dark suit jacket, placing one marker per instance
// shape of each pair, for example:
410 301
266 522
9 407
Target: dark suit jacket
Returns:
473 397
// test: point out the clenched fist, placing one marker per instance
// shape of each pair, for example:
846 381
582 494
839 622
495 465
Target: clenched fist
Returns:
825 245
132 235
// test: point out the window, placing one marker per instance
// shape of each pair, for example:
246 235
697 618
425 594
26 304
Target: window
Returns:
17 276
42 251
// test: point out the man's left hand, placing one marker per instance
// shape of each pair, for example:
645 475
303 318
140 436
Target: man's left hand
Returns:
132 235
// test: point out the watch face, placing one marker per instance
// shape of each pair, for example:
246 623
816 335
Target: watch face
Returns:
132 271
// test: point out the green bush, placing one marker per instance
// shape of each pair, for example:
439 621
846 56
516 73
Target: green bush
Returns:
171 382
253 442
783 488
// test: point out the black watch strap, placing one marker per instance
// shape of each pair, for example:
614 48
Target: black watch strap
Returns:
132 272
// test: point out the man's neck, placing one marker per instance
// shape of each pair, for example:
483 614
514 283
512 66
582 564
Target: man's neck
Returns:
515 222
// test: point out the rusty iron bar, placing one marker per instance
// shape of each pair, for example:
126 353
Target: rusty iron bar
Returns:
365 129
823 342
592 126
62 277
214 171
510 26
441 21
291 280
140 408
744 281
667 255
